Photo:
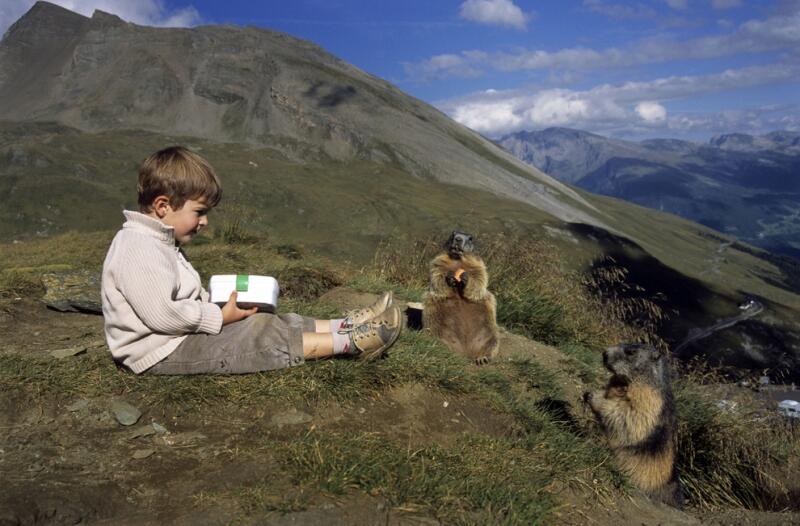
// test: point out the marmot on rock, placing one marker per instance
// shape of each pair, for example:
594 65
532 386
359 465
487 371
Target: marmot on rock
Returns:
637 413
458 308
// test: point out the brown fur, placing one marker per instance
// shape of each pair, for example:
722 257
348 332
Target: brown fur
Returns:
465 320
637 413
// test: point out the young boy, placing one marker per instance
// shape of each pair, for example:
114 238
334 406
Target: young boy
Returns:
157 316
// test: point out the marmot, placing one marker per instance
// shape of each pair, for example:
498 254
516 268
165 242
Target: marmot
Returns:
458 308
637 412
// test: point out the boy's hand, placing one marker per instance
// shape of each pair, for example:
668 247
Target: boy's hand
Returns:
231 312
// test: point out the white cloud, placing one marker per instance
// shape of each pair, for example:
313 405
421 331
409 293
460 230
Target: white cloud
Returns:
488 115
651 111
494 12
143 12
755 36
627 106
443 66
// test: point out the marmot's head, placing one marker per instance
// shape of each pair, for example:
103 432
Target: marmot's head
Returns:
636 361
458 244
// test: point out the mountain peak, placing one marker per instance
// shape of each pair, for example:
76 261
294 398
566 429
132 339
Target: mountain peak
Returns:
48 9
42 21
106 19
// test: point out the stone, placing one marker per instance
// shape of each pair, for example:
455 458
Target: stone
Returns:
140 454
78 405
185 438
73 291
289 418
69 351
125 413
141 431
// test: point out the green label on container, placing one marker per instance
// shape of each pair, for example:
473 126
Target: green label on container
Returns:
242 282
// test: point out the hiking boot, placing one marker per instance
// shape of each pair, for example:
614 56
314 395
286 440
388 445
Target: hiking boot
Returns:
358 317
371 339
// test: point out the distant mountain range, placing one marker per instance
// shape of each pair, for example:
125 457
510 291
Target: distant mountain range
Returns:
746 186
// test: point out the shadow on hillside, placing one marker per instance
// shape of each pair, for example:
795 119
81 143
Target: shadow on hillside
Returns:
691 305
328 96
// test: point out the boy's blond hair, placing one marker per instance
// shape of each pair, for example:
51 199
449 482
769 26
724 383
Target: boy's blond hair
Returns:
179 174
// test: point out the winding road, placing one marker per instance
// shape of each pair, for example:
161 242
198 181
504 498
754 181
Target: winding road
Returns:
753 308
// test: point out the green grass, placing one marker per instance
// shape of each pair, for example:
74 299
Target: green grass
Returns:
415 358
480 480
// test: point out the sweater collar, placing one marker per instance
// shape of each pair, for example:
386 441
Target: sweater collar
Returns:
148 225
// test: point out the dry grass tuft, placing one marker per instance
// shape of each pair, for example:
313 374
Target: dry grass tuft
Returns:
743 458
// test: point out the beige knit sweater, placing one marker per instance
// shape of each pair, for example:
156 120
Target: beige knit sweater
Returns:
152 297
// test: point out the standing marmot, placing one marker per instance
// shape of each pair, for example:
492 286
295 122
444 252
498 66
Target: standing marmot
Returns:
458 308
637 412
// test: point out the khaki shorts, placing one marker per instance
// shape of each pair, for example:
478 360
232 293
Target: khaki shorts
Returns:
260 342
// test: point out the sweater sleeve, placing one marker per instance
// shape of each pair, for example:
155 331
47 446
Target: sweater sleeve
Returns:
147 280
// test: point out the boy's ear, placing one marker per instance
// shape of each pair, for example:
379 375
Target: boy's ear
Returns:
160 205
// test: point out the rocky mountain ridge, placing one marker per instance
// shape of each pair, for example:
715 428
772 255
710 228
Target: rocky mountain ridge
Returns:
743 185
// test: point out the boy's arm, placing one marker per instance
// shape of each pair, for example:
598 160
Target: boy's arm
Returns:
148 283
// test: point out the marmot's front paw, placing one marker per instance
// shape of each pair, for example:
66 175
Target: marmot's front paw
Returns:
464 279
587 397
483 360
451 280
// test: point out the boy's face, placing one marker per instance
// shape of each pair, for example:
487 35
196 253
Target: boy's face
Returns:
187 220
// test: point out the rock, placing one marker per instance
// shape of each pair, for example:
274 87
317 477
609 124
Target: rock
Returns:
139 454
36 467
182 438
69 351
141 431
73 291
78 406
161 430
125 413
291 417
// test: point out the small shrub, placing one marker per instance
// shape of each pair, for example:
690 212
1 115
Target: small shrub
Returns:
307 282
290 251
19 284
733 459
233 232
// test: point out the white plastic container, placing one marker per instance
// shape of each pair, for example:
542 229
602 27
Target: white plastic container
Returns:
254 291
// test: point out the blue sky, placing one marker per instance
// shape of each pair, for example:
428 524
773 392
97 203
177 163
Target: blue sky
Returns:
650 68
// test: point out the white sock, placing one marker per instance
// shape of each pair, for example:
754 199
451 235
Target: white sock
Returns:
337 325
342 344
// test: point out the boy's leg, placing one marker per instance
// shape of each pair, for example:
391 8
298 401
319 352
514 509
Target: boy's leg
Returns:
260 342
317 344
263 342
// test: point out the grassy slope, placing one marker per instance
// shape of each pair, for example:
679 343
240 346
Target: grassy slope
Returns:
83 181
512 447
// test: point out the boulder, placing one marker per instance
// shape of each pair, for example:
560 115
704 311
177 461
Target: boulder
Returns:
73 291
